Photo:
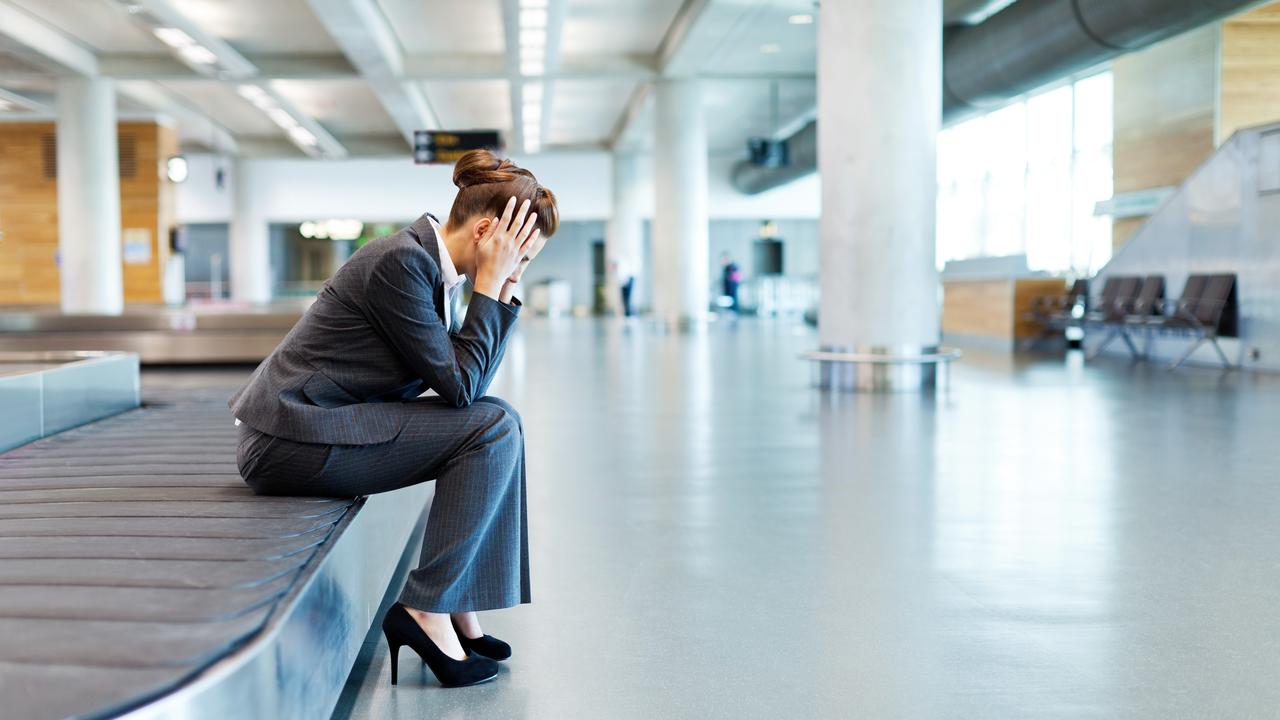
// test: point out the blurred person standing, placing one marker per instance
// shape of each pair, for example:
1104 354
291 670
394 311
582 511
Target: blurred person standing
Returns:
730 279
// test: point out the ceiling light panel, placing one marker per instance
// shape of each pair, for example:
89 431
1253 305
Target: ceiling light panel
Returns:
201 51
173 37
276 109
198 54
302 136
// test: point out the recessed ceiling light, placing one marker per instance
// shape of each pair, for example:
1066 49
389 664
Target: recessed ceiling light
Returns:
801 19
771 48
257 96
198 54
302 136
532 67
282 118
173 37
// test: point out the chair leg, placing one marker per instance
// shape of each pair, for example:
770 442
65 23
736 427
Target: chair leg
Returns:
1103 346
1133 349
1222 355
1194 346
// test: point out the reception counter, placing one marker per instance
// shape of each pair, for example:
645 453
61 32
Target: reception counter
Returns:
986 302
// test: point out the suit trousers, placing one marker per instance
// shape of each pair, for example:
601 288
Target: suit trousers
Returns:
475 551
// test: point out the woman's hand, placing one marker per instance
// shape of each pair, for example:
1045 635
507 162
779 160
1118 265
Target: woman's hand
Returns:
535 246
504 247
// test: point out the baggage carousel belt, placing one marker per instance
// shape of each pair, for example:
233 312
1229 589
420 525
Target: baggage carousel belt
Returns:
132 557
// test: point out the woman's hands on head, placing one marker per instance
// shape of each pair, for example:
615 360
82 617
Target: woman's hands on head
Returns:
506 249
535 247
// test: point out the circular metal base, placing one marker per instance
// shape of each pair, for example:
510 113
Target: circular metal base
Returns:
882 369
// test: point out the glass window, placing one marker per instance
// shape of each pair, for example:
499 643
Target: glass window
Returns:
1025 179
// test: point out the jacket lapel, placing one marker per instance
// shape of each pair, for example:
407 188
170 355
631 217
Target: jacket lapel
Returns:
426 235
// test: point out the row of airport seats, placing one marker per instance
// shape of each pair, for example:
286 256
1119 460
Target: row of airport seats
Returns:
1135 310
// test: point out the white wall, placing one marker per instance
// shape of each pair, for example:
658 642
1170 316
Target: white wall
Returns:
199 199
383 189
394 189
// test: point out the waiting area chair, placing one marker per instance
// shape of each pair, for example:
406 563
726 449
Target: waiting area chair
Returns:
1055 313
1125 310
1134 310
1206 310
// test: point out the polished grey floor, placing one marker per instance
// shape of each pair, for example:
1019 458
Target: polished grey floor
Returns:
712 538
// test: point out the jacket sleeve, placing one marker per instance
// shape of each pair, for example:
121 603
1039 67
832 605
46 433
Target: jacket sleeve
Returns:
514 307
400 304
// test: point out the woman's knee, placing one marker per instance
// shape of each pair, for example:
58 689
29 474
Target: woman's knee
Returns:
496 429
506 407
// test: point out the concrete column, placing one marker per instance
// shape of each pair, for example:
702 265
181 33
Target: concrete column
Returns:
681 286
879 111
89 197
250 242
624 234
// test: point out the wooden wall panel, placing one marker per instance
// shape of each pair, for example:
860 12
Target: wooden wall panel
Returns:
141 196
29 213
1165 100
1123 228
28 218
1250 81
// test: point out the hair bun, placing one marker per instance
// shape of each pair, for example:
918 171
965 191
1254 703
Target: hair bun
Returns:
486 182
482 167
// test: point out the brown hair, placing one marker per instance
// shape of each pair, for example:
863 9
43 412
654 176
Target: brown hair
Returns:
485 183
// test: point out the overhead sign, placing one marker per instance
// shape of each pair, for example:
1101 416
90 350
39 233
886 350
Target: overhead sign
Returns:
1135 203
444 147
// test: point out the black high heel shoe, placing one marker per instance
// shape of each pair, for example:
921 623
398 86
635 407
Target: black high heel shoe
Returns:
401 629
486 645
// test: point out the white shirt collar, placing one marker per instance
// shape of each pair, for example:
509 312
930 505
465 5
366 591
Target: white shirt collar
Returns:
448 271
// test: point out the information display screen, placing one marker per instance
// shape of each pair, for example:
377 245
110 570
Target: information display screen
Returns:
444 147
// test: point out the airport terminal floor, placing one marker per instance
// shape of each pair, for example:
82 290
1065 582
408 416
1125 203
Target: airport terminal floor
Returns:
713 538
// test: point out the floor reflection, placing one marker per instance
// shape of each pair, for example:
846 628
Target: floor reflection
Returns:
714 538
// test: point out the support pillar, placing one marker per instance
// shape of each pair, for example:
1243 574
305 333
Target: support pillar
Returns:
625 231
250 242
879 112
681 283
92 277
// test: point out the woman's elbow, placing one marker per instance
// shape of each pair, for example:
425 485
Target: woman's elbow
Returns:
459 397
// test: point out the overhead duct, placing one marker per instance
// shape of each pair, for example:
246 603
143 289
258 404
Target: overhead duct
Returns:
802 159
1034 42
1024 46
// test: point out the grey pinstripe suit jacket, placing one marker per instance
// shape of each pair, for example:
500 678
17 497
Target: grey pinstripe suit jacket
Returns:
375 335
